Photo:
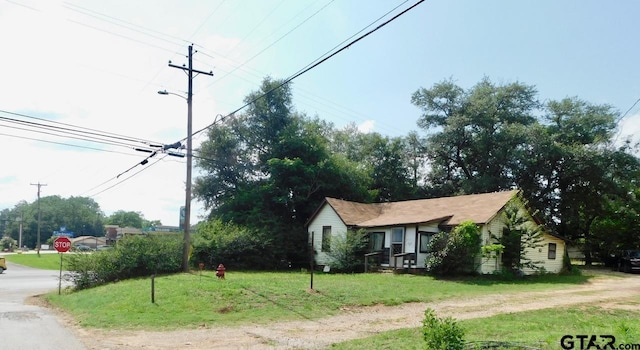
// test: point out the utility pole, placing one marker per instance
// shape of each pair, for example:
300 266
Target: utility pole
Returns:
39 217
187 205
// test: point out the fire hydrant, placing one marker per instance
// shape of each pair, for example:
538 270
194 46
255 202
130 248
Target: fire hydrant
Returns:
220 271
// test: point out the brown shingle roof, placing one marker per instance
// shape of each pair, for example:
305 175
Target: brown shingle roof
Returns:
479 208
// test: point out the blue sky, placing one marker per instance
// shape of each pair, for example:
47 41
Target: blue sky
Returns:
99 64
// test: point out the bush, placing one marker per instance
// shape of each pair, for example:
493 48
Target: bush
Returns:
216 242
454 252
8 243
134 256
347 251
441 333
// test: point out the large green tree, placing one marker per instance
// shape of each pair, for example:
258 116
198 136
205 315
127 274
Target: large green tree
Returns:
124 218
80 215
270 167
472 135
495 137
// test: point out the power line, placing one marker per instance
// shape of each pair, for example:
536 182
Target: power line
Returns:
125 179
127 25
619 119
71 135
275 42
66 144
88 130
312 66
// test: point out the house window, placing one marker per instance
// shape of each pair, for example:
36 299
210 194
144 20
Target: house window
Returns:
425 238
552 251
397 237
326 238
376 241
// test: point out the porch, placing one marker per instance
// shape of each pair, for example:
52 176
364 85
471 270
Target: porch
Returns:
380 261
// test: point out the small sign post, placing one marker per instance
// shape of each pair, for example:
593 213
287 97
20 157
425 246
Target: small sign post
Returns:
62 244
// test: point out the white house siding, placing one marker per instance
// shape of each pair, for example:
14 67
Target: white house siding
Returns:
325 217
542 254
493 228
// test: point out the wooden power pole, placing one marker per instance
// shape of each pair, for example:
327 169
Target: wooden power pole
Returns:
39 217
187 205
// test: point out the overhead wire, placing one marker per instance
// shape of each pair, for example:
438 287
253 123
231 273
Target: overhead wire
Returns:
309 67
273 43
291 78
76 128
126 24
123 180
66 144
619 119
252 30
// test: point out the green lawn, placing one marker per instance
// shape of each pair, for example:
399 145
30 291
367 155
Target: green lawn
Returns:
44 261
189 300
541 328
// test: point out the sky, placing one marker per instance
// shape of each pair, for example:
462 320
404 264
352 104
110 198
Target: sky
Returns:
98 65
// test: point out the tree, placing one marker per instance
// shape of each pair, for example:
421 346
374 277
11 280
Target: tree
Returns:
126 219
473 136
268 169
570 172
80 215
519 235
560 154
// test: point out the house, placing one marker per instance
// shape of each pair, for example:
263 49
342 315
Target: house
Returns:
399 232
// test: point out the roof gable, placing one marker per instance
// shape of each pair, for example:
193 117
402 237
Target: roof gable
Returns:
479 208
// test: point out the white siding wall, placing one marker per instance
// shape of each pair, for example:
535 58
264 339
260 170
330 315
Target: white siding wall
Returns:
542 254
325 217
539 254
493 228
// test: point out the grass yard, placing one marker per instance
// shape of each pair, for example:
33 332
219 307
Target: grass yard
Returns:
46 261
191 300
540 328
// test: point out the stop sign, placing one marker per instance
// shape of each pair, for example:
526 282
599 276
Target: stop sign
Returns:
62 244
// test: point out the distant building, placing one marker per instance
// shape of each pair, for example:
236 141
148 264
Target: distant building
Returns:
114 233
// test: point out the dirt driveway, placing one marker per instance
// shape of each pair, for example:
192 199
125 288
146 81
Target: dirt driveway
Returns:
365 321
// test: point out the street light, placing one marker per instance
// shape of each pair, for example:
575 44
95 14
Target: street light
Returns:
165 92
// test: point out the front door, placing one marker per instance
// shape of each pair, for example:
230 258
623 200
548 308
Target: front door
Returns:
397 244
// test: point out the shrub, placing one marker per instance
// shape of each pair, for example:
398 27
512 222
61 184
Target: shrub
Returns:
8 243
441 333
347 251
455 252
216 242
133 256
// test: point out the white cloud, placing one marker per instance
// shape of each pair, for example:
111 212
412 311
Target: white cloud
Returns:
367 126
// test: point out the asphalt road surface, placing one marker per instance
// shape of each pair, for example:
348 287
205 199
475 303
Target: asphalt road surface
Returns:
29 327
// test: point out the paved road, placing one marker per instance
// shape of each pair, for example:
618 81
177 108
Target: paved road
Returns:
29 327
